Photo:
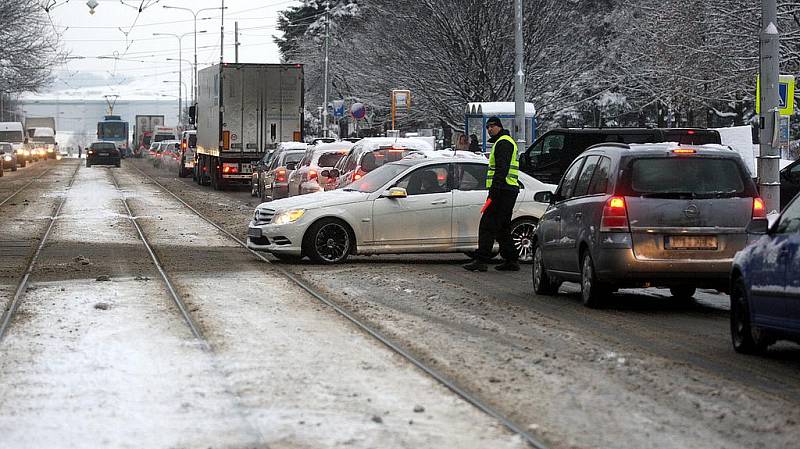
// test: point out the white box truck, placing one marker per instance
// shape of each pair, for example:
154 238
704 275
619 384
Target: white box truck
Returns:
41 133
243 111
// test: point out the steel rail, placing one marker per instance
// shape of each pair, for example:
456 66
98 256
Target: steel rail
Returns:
11 308
449 384
39 176
184 310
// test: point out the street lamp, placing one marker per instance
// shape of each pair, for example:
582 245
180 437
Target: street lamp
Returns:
179 37
194 14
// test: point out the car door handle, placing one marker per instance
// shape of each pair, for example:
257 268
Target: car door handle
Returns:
439 202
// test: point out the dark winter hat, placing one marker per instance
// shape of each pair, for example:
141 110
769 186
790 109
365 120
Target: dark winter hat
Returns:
494 121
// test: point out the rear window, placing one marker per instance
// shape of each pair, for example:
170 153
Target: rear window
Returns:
689 177
104 146
192 140
293 157
374 159
330 159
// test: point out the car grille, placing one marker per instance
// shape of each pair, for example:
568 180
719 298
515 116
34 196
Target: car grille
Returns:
263 216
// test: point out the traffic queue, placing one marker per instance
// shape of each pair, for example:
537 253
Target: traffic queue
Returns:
674 210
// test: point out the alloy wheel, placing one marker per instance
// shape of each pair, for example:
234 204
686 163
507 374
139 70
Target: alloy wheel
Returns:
522 236
332 242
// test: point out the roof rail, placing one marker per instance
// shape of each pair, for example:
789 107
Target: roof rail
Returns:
610 144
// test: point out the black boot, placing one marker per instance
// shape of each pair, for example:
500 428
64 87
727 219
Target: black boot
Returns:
476 265
508 265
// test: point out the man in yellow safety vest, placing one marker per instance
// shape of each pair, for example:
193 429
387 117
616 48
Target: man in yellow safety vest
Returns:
503 186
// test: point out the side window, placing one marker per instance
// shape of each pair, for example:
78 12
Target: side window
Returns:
426 180
548 151
568 183
582 186
471 176
790 220
600 179
351 160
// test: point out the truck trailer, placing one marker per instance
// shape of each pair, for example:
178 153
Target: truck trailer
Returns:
143 131
243 111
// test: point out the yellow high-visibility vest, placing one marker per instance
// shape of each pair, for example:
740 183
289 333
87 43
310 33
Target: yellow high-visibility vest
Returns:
513 170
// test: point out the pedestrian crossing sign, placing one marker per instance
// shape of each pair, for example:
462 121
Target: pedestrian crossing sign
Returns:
786 95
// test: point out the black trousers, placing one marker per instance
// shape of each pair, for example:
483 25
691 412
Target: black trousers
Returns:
496 226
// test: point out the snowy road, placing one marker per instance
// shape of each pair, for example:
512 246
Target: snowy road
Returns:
661 374
94 363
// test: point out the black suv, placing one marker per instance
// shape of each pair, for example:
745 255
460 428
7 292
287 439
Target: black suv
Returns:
790 183
549 156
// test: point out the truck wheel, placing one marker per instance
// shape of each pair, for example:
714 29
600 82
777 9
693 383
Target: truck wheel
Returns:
181 169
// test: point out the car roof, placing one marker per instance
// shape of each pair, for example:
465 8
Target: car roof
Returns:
648 149
375 143
332 146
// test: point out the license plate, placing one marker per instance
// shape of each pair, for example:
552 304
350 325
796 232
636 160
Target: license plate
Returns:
254 232
690 242
103 154
247 168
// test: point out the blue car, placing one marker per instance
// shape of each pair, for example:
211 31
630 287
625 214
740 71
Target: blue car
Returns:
765 286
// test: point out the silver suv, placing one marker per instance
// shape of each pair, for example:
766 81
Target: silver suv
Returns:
649 215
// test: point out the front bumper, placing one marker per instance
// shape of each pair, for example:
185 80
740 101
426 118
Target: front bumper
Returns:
278 239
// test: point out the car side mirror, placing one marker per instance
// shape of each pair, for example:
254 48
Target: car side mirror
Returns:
544 197
291 166
758 226
395 193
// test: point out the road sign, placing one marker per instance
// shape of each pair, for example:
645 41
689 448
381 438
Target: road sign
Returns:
786 85
338 108
358 111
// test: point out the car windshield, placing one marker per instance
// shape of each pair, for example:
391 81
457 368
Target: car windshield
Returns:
5 147
692 177
377 178
11 136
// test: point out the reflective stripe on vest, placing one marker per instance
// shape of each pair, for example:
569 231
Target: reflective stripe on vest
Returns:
513 170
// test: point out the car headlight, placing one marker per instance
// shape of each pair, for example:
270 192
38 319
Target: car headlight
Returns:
288 216
7 158
27 153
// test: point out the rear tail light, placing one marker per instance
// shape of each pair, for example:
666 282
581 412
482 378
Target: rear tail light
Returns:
759 210
684 151
281 175
615 216
312 175
358 173
229 169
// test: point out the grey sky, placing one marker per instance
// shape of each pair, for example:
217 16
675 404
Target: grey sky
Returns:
142 56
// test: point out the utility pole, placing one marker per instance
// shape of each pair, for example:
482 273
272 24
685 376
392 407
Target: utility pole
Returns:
325 88
519 79
236 34
222 36
769 155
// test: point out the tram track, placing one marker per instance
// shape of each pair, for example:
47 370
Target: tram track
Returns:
28 184
12 306
396 348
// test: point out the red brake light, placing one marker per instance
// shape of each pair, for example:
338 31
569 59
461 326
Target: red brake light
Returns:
690 132
615 216
684 151
312 174
230 169
358 173
281 175
759 210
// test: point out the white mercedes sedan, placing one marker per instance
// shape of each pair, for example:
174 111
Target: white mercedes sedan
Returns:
422 204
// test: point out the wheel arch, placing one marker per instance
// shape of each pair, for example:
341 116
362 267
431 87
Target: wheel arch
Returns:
348 227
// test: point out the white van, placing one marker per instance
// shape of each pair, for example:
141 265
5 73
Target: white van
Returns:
14 133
